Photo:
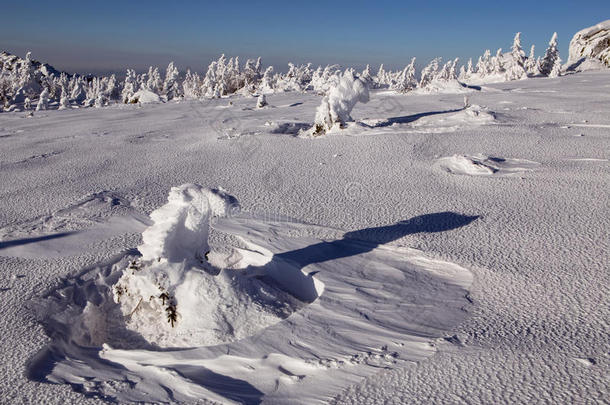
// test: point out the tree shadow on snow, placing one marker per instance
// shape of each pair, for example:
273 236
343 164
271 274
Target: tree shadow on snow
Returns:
285 268
25 241
406 119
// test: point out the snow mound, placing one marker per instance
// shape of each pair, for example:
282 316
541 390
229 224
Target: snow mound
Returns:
444 87
591 43
481 165
174 295
144 96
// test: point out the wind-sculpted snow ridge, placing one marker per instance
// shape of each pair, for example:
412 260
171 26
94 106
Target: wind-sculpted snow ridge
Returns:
481 165
284 318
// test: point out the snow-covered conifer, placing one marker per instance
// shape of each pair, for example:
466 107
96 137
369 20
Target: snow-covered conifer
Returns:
337 106
516 68
130 85
531 63
497 63
43 101
267 83
550 56
556 70
407 81
64 103
429 72
170 84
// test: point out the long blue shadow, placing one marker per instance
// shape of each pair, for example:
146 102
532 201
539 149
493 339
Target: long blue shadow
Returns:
285 268
25 241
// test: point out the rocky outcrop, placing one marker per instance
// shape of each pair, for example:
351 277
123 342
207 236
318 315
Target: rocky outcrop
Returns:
592 43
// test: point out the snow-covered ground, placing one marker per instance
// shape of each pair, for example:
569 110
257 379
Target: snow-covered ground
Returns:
427 253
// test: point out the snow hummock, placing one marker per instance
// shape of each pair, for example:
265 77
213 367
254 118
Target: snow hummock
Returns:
481 165
144 96
174 295
592 43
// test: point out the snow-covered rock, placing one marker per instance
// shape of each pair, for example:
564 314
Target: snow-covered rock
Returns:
591 43
144 96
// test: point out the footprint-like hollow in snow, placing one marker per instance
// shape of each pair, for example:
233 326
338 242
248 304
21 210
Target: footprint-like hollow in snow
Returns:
273 316
481 165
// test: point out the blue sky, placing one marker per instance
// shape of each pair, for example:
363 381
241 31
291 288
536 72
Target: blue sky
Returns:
80 36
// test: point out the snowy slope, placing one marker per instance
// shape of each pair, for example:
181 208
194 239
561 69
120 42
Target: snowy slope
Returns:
532 231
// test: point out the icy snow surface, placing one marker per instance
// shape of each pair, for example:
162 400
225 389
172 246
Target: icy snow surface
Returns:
397 280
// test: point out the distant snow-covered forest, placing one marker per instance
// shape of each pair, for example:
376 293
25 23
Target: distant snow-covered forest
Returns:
27 85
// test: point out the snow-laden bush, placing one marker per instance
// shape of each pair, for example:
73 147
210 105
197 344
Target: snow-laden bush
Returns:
154 293
261 101
43 101
337 106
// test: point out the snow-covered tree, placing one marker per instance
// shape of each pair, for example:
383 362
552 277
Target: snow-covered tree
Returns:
130 86
154 82
171 89
323 80
27 104
516 67
531 63
497 63
381 78
112 88
27 77
64 102
556 70
550 56
267 83
43 101
407 81
78 94
100 100
429 72
337 106
191 87
366 75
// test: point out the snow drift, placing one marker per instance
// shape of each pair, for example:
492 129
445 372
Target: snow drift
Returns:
481 165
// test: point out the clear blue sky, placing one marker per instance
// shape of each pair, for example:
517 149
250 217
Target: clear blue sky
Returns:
83 36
